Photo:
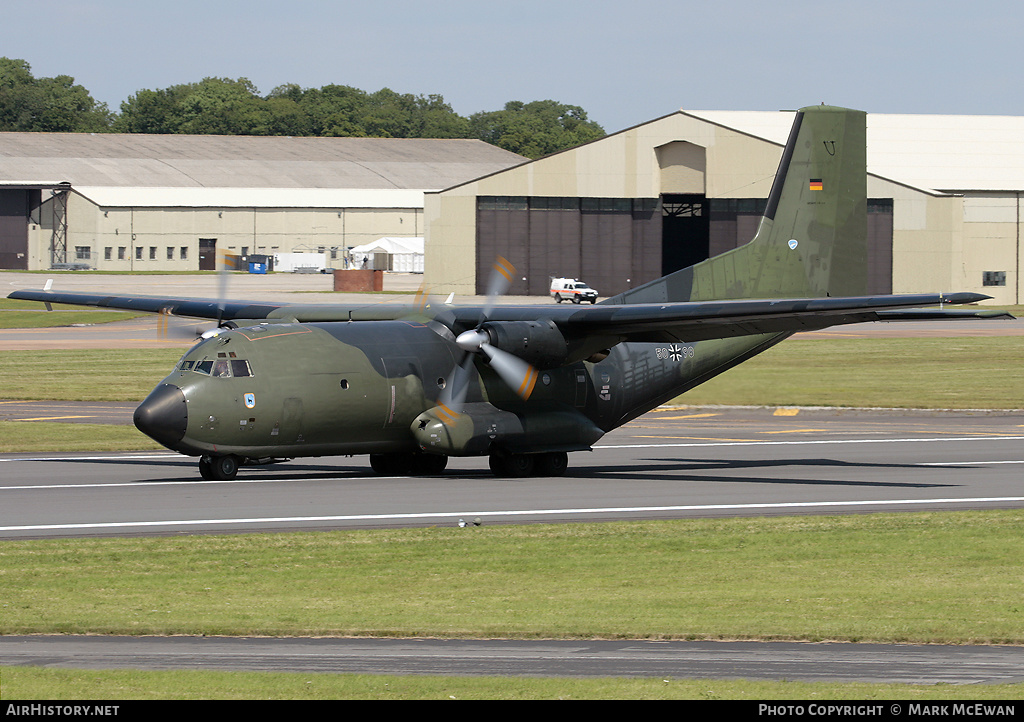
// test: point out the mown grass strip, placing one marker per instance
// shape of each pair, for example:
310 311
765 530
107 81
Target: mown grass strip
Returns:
31 314
40 436
931 577
31 683
116 374
939 373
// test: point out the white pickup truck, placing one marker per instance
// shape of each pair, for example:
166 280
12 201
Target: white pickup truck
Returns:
572 289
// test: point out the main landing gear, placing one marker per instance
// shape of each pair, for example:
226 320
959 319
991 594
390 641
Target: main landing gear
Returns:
506 465
517 466
408 464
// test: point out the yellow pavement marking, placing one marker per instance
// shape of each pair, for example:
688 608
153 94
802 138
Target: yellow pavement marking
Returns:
688 416
692 438
795 431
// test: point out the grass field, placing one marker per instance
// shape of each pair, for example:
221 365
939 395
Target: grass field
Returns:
929 577
26 683
31 314
935 373
84 374
39 436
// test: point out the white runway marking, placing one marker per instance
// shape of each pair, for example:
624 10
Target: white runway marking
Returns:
493 514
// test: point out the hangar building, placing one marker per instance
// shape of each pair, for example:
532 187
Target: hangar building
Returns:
944 208
172 202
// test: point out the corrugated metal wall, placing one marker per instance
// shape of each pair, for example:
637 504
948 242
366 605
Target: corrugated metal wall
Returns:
612 244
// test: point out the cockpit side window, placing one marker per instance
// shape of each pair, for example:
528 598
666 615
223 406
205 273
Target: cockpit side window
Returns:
204 367
240 367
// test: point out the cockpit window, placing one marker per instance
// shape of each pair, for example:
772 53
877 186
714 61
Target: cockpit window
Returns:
220 368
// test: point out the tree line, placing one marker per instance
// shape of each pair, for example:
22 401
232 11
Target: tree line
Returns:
222 106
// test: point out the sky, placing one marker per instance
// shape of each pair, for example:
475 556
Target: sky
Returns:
624 63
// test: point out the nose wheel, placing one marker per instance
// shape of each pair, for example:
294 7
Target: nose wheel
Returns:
219 468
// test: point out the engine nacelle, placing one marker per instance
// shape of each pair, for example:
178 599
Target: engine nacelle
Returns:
539 343
479 428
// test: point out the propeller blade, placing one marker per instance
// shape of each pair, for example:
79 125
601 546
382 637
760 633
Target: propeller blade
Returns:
502 273
454 394
520 376
178 328
222 283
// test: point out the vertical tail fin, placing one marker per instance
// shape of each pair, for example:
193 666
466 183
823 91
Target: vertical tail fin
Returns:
812 239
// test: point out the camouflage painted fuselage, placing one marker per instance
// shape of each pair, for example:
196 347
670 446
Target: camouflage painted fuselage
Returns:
293 390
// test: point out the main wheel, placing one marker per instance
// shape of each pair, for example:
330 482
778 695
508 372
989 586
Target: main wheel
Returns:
388 464
429 464
515 466
558 298
407 464
553 463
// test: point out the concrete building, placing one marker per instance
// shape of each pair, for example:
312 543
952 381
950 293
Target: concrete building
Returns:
172 202
944 209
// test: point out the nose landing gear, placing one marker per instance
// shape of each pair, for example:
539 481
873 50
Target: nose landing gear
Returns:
219 468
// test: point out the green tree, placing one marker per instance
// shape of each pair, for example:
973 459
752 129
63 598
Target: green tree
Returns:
535 129
47 104
333 110
220 106
213 106
151 111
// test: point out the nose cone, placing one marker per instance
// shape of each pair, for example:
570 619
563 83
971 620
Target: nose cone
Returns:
163 416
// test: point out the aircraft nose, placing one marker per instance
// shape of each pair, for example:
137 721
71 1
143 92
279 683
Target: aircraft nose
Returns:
163 416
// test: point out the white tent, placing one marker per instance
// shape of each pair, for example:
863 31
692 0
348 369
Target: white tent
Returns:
402 255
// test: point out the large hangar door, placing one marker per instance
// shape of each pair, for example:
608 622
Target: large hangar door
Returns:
503 229
685 231
15 206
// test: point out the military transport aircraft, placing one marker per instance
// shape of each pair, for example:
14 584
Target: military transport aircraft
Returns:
411 385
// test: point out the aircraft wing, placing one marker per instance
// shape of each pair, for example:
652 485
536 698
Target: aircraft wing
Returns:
659 322
696 321
191 307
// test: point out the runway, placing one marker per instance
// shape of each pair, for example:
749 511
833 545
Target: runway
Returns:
670 464
872 663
